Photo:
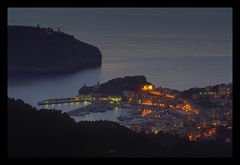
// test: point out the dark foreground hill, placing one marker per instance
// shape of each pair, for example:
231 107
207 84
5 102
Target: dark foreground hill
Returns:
48 133
43 50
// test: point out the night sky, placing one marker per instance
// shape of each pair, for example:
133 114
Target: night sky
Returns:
192 31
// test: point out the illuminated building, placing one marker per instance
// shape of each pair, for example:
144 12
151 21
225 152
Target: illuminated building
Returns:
147 87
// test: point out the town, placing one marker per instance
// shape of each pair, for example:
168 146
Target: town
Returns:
195 114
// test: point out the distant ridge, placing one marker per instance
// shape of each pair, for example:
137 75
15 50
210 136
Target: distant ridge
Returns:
43 50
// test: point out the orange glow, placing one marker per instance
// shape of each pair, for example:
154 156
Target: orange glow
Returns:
190 137
161 105
146 112
149 102
203 125
155 92
157 116
210 132
147 87
189 108
194 137
170 96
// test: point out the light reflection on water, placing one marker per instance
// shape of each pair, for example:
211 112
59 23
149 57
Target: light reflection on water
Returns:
65 107
172 72
110 115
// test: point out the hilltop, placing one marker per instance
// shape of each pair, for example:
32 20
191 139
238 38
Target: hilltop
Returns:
43 50
117 86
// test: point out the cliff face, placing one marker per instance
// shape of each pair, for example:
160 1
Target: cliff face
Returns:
42 50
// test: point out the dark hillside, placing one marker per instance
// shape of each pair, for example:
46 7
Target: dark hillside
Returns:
47 133
43 50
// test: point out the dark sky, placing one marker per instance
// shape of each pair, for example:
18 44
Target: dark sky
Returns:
207 28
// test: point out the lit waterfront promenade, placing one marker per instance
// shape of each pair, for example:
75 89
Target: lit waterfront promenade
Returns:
63 100
78 99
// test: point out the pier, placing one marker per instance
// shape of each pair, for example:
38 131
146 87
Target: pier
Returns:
66 100
80 99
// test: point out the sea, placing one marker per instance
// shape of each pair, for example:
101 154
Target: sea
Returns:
173 72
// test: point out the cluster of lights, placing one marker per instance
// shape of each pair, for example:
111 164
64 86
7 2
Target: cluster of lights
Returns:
210 132
146 112
170 96
161 105
189 108
157 116
196 136
155 93
111 99
147 88
149 102
193 137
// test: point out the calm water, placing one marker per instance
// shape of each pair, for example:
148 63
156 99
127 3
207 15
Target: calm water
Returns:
110 114
173 72
154 42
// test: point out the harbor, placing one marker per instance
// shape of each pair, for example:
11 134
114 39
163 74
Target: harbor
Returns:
148 109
